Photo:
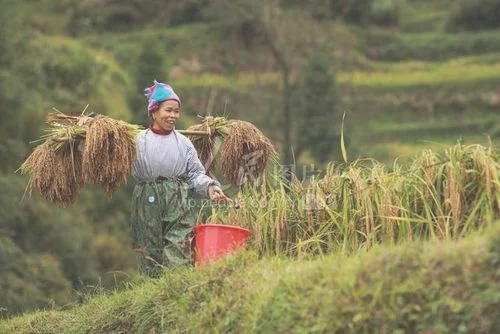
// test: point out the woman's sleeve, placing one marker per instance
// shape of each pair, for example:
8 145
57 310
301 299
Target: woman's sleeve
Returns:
196 173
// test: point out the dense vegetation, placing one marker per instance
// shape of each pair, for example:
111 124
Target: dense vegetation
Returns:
409 74
450 287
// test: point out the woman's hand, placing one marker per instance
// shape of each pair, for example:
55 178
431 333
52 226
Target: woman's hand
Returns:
215 193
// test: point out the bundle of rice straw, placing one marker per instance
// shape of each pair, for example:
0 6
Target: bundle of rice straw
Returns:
78 149
56 166
110 149
207 138
245 153
244 150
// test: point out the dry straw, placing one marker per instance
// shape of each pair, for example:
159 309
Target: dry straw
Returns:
207 137
354 207
110 149
56 172
77 149
244 150
245 153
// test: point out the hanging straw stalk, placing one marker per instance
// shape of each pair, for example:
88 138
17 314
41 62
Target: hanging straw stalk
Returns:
55 167
245 153
207 137
244 150
110 149
77 149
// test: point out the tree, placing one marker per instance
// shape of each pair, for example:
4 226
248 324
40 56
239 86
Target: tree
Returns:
17 115
150 66
474 15
318 108
289 35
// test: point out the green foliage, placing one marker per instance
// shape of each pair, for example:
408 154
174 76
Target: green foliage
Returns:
90 16
386 12
150 66
30 280
47 252
362 12
19 94
355 11
184 12
74 74
318 101
438 287
387 46
64 74
32 256
453 73
473 15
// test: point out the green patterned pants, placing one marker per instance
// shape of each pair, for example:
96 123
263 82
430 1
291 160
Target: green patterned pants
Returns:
162 222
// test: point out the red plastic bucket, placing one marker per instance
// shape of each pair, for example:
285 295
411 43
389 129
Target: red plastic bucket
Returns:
212 241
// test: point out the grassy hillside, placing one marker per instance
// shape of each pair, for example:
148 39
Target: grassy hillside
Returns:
440 287
409 74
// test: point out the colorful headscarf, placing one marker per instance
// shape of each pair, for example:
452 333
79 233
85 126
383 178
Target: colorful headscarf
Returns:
158 93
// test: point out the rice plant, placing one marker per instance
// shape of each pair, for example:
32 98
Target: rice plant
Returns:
356 206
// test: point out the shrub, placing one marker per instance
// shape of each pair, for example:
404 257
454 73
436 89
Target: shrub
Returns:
474 15
319 106
46 253
355 11
379 12
75 74
434 46
109 15
385 12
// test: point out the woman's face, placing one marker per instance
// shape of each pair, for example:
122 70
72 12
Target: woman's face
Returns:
166 116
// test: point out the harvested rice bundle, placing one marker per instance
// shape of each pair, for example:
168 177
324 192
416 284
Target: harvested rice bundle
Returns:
57 165
245 153
61 135
110 149
62 119
207 139
56 171
68 179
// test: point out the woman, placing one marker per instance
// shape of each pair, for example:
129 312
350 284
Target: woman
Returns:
167 166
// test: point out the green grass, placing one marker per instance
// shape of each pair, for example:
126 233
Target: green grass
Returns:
90 76
414 74
438 287
423 22
185 41
422 16
388 149
387 46
446 127
469 71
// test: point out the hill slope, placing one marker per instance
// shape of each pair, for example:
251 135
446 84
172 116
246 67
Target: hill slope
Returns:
437 287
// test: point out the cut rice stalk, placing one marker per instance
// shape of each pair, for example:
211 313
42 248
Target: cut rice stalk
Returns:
103 147
205 137
245 153
110 149
55 173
